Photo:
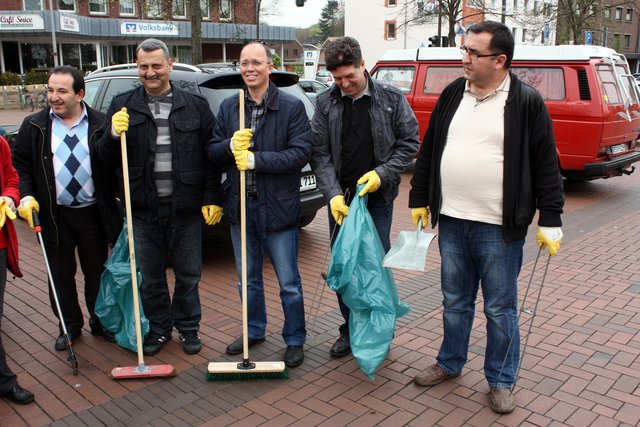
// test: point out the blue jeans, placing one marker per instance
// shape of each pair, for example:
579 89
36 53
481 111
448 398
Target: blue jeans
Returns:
382 216
178 238
475 254
282 249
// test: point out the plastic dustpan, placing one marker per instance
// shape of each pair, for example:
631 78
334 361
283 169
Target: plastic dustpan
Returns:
409 252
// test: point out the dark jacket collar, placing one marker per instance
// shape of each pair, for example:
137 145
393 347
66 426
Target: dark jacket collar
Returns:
337 94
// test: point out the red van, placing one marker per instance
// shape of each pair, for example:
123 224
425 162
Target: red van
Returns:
589 91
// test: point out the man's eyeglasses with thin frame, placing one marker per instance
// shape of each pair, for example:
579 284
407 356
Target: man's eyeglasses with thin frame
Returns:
473 55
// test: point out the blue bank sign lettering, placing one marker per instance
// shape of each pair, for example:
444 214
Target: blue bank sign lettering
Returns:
149 28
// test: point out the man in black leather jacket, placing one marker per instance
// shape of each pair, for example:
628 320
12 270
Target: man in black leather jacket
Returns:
85 220
172 184
364 132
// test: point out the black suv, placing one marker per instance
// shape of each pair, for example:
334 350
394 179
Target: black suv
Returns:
215 84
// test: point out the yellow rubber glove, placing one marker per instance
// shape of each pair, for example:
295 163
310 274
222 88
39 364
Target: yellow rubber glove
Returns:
420 213
27 205
338 209
212 214
7 208
243 160
241 139
549 238
120 122
372 182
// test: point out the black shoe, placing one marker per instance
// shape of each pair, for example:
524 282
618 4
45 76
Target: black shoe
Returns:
108 336
19 395
61 343
190 342
236 346
96 327
342 346
153 343
293 356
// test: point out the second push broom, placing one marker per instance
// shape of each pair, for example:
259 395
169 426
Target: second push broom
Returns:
245 370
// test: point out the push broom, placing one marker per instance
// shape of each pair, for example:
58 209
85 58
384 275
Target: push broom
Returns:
245 370
142 370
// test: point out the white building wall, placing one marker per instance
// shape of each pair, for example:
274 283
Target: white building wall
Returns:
364 20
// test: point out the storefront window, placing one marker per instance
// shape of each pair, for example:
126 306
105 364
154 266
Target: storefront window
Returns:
127 7
226 10
32 4
67 5
98 7
71 55
89 57
183 54
37 56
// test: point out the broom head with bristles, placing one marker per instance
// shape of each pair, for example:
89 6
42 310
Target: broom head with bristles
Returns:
232 371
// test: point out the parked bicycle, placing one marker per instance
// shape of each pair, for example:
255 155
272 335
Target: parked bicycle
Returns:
41 98
26 101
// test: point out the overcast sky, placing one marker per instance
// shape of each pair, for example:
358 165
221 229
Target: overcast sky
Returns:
292 16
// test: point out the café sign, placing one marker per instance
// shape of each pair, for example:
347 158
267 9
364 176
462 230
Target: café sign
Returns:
21 22
69 23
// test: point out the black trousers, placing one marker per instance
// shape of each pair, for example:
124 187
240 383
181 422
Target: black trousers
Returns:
8 379
81 229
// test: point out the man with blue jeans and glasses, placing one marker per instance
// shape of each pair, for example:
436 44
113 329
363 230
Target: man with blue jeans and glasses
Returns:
488 161
364 132
272 150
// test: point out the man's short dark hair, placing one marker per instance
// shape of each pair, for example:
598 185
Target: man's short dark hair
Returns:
78 80
342 51
264 46
501 38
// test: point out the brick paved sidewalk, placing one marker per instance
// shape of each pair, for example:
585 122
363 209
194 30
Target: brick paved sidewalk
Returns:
581 367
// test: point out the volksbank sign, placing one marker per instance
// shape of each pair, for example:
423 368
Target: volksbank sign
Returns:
149 28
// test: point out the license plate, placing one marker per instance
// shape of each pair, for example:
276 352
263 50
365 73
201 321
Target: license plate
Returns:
619 148
307 182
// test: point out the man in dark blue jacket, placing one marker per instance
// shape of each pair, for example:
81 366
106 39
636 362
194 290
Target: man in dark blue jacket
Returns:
273 148
172 181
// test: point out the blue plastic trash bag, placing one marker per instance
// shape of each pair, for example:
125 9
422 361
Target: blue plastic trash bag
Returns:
367 288
114 305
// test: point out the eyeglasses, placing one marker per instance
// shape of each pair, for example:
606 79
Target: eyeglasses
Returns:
473 55
254 63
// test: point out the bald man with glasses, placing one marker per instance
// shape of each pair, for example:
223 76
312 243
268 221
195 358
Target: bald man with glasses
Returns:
488 161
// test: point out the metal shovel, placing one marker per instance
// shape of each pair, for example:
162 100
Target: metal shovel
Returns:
409 251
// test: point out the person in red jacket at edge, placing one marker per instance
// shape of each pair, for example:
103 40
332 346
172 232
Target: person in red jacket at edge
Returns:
9 387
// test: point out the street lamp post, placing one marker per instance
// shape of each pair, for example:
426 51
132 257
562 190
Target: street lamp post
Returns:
52 21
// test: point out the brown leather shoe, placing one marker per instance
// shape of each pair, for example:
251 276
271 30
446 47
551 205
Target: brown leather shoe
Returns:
433 375
502 400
